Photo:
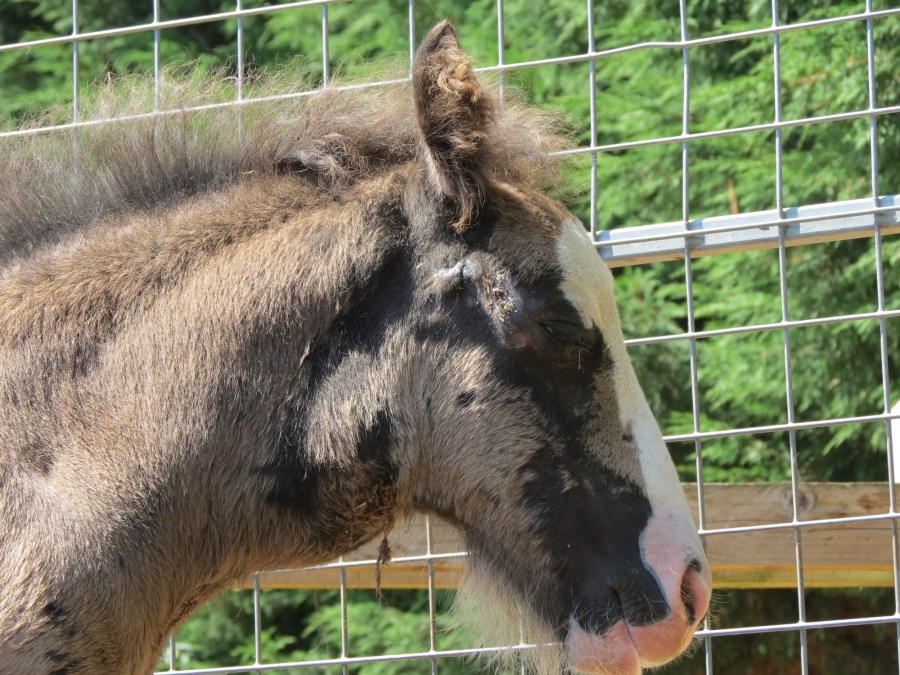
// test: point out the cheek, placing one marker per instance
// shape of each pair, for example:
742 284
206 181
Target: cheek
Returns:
608 438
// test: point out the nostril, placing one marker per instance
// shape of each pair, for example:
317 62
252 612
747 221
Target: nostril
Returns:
694 592
687 597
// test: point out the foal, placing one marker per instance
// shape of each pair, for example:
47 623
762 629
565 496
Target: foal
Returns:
223 353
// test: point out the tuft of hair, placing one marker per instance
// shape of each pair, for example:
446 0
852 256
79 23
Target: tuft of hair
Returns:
132 160
486 613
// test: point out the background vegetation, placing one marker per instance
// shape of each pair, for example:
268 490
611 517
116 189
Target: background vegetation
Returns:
836 369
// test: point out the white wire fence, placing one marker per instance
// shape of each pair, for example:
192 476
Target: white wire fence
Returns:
681 242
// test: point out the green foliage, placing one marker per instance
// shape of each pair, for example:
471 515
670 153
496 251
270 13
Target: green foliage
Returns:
835 370
306 626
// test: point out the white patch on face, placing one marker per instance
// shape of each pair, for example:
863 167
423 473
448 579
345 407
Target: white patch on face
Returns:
588 285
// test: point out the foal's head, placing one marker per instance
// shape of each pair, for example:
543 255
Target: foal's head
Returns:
532 432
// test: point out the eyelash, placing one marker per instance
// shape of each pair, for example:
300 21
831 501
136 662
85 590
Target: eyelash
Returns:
562 333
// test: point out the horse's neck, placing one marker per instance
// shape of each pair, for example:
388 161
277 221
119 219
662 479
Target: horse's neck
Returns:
123 366
98 277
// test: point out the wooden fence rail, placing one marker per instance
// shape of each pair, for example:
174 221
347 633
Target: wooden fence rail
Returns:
854 554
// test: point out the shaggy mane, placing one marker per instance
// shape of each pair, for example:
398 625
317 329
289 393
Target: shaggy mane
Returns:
57 182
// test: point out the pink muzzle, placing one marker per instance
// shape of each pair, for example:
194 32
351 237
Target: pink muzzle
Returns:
686 583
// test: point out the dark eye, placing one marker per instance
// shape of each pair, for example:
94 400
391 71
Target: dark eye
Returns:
563 332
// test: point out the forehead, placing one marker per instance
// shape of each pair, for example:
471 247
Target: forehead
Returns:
587 281
526 228
540 239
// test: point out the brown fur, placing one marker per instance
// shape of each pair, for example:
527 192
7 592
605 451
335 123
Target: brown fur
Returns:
162 280
455 115
228 344
126 436
54 187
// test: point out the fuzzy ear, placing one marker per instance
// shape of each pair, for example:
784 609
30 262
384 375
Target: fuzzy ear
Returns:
454 113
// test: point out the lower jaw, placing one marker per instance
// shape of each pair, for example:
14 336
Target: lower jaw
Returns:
613 653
